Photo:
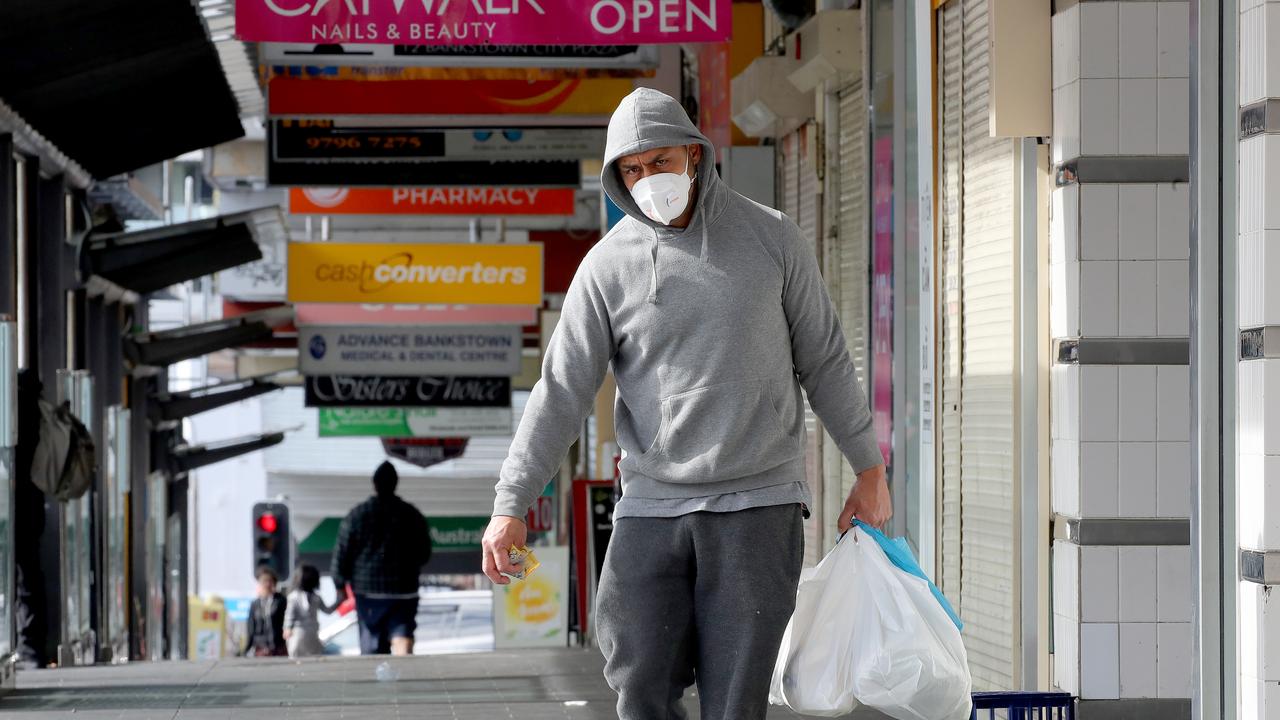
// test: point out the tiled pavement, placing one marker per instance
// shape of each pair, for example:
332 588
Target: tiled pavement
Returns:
523 685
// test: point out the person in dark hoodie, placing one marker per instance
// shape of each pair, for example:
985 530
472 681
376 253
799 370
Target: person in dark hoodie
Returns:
382 545
712 312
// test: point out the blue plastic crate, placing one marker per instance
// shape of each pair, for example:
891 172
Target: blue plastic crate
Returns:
1024 705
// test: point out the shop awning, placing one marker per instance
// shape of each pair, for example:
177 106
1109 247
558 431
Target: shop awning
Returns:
186 458
116 84
170 346
144 261
179 405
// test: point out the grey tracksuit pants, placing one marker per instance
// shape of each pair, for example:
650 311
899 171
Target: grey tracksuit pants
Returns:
704 596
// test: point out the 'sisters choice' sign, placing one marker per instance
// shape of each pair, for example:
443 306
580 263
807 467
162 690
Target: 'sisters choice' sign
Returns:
425 391
431 201
485 22
478 350
477 274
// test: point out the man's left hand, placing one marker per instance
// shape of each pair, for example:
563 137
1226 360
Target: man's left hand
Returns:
869 501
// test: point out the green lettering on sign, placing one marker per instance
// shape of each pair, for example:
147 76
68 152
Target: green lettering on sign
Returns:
457 533
447 422
366 422
448 534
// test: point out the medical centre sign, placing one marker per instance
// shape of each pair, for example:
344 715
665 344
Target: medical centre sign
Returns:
411 350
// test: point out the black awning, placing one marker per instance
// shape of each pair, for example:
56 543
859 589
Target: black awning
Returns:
148 260
179 405
115 84
186 458
169 346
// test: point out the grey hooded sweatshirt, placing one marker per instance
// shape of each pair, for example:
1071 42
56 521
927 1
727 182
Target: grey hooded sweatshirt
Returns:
711 331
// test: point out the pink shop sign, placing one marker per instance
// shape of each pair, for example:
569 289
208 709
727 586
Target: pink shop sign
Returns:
485 22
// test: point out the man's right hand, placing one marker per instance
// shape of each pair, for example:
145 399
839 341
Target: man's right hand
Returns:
502 534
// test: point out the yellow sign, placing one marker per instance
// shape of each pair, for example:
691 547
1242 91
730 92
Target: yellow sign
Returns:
534 612
207 627
471 274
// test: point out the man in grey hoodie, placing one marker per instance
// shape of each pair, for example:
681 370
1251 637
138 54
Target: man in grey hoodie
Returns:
713 314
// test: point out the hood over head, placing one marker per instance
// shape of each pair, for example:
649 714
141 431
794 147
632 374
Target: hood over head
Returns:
648 119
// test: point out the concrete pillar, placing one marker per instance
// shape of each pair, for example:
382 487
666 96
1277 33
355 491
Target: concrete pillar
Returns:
1258 225
1120 425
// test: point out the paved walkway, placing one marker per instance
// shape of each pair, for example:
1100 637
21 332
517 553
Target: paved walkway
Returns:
524 685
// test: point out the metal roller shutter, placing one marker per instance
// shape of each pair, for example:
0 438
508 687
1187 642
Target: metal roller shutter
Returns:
850 261
978 186
801 202
989 514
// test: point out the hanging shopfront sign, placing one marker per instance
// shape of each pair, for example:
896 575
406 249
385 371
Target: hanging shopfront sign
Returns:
424 452
504 201
448 534
443 173
499 22
436 174
408 350
351 314
479 274
415 422
319 153
329 140
564 98
324 56
424 391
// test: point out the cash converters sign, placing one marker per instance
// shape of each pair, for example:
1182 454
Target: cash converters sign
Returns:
431 201
485 22
475 274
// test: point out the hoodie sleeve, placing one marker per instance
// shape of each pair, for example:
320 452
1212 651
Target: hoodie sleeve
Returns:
821 355
577 358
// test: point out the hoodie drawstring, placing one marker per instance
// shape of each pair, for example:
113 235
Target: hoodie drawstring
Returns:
653 288
702 217
653 258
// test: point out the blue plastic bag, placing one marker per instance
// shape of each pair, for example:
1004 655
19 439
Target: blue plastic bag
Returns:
899 553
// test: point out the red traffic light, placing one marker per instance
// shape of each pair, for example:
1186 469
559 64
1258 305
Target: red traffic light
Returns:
267 522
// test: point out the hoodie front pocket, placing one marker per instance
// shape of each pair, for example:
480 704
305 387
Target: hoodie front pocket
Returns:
717 433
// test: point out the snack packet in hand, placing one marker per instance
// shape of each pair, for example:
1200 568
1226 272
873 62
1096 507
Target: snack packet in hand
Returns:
523 558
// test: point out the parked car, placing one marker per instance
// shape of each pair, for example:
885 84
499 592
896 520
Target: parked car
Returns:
448 622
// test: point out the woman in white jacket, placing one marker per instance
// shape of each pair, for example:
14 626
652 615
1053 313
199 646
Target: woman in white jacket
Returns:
301 617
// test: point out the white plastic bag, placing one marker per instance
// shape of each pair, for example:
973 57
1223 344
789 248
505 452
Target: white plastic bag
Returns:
866 632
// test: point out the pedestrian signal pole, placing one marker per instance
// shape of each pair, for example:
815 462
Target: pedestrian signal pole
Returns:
272 545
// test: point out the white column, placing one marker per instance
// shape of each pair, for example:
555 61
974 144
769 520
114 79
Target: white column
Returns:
1119 279
1258 224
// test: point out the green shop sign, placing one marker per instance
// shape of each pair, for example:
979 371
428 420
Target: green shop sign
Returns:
457 533
448 534
414 422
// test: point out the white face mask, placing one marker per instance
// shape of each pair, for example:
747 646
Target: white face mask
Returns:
665 196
